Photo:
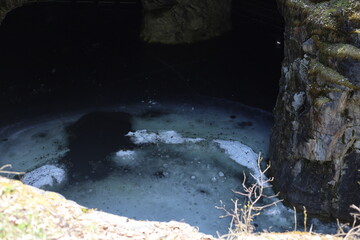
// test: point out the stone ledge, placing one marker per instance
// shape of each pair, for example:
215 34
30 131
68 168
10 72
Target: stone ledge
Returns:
30 213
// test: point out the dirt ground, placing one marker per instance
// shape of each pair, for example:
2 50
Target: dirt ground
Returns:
29 213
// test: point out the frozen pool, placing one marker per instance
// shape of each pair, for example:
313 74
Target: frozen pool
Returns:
186 157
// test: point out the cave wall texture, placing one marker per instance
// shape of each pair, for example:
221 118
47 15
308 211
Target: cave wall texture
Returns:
171 21
8 5
185 21
315 142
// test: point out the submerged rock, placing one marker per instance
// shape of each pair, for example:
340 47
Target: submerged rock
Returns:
317 115
92 138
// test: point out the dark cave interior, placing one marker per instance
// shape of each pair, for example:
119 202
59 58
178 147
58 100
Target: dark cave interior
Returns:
64 55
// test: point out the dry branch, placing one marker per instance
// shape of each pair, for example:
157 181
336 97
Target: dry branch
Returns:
243 214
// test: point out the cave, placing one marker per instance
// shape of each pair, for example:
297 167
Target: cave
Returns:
89 53
61 57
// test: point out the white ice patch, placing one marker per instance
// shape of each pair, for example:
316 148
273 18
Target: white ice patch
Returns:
126 154
142 136
45 176
127 158
237 151
170 137
173 137
241 154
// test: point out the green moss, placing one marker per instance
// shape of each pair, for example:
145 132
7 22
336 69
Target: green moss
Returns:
320 101
328 75
327 19
8 5
319 93
343 51
6 188
87 210
338 50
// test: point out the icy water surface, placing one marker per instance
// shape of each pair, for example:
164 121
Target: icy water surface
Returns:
187 156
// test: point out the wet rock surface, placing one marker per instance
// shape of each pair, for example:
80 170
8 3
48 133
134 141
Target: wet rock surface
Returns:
316 131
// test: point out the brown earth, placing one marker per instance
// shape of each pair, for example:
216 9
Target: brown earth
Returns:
30 213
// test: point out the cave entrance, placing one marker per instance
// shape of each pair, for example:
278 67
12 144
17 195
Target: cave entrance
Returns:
90 52
60 56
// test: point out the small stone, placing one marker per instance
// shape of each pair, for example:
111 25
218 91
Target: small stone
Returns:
193 177
309 47
213 179
221 174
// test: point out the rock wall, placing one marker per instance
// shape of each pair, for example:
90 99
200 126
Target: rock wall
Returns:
8 5
171 21
315 143
31 213
185 21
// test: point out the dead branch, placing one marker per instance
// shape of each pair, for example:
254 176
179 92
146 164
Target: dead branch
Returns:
9 172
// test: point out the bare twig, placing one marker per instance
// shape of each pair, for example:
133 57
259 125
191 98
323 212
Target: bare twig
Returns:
295 220
9 172
243 214
305 218
354 232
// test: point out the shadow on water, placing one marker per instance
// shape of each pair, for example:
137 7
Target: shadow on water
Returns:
91 139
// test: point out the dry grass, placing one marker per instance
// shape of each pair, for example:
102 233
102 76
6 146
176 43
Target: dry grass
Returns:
241 227
285 236
243 214
3 171
354 231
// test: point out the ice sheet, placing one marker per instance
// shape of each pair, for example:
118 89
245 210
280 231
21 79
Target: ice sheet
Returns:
188 157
